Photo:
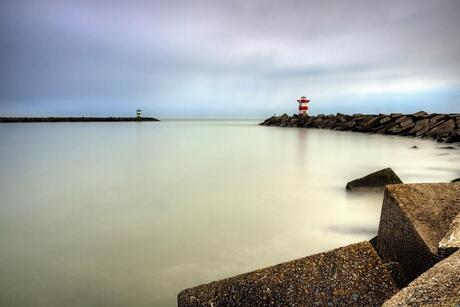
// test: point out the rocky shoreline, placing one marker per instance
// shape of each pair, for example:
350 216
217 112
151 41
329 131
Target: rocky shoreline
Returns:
74 119
441 127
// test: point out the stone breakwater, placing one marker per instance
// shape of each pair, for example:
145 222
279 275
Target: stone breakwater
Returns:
74 119
441 127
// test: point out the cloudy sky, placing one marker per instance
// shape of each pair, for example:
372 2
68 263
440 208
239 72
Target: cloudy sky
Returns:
225 58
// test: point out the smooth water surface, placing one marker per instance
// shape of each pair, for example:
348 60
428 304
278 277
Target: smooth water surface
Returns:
129 214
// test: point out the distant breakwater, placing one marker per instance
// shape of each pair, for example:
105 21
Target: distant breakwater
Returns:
441 127
74 119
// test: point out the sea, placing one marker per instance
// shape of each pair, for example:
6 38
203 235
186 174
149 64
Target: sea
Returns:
130 214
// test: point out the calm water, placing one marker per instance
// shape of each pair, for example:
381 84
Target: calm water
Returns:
128 214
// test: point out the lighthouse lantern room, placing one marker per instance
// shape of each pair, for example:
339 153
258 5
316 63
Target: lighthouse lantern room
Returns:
303 105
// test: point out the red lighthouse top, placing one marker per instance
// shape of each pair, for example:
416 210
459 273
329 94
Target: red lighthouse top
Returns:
303 99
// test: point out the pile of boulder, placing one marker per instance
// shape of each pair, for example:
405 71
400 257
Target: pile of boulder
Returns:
442 127
413 261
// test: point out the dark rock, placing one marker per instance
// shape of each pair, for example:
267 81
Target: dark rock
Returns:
414 219
420 114
396 115
370 123
352 275
414 147
293 121
436 119
421 127
407 123
454 138
456 180
447 147
375 181
377 128
284 120
401 119
390 125
385 120
445 129
397 129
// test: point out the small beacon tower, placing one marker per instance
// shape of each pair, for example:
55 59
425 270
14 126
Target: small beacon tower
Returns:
303 105
138 113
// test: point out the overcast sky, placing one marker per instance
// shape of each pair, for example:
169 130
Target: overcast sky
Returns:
228 58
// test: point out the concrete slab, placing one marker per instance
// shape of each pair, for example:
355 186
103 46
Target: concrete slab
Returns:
353 275
439 286
414 219
451 241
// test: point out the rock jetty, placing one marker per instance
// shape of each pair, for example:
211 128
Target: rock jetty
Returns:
441 127
74 119
402 266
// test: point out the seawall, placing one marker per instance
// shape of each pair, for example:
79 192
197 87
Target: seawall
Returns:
74 119
441 127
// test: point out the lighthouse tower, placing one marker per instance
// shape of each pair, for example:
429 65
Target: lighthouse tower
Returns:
303 105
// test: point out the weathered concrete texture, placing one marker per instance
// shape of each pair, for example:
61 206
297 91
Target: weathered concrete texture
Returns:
375 181
353 275
442 127
451 241
414 218
439 286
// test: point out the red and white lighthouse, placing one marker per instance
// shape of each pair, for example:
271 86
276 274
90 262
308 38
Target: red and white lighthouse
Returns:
303 105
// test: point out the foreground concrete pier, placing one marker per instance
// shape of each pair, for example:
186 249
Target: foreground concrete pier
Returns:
417 222
352 275
414 219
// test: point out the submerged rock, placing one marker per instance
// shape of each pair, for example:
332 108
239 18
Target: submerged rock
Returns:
375 181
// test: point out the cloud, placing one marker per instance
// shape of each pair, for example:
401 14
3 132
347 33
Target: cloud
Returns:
226 58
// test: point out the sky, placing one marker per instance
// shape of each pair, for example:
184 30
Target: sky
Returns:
228 59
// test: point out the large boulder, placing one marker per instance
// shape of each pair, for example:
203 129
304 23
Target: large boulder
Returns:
443 130
353 275
439 286
420 114
375 181
421 127
414 219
